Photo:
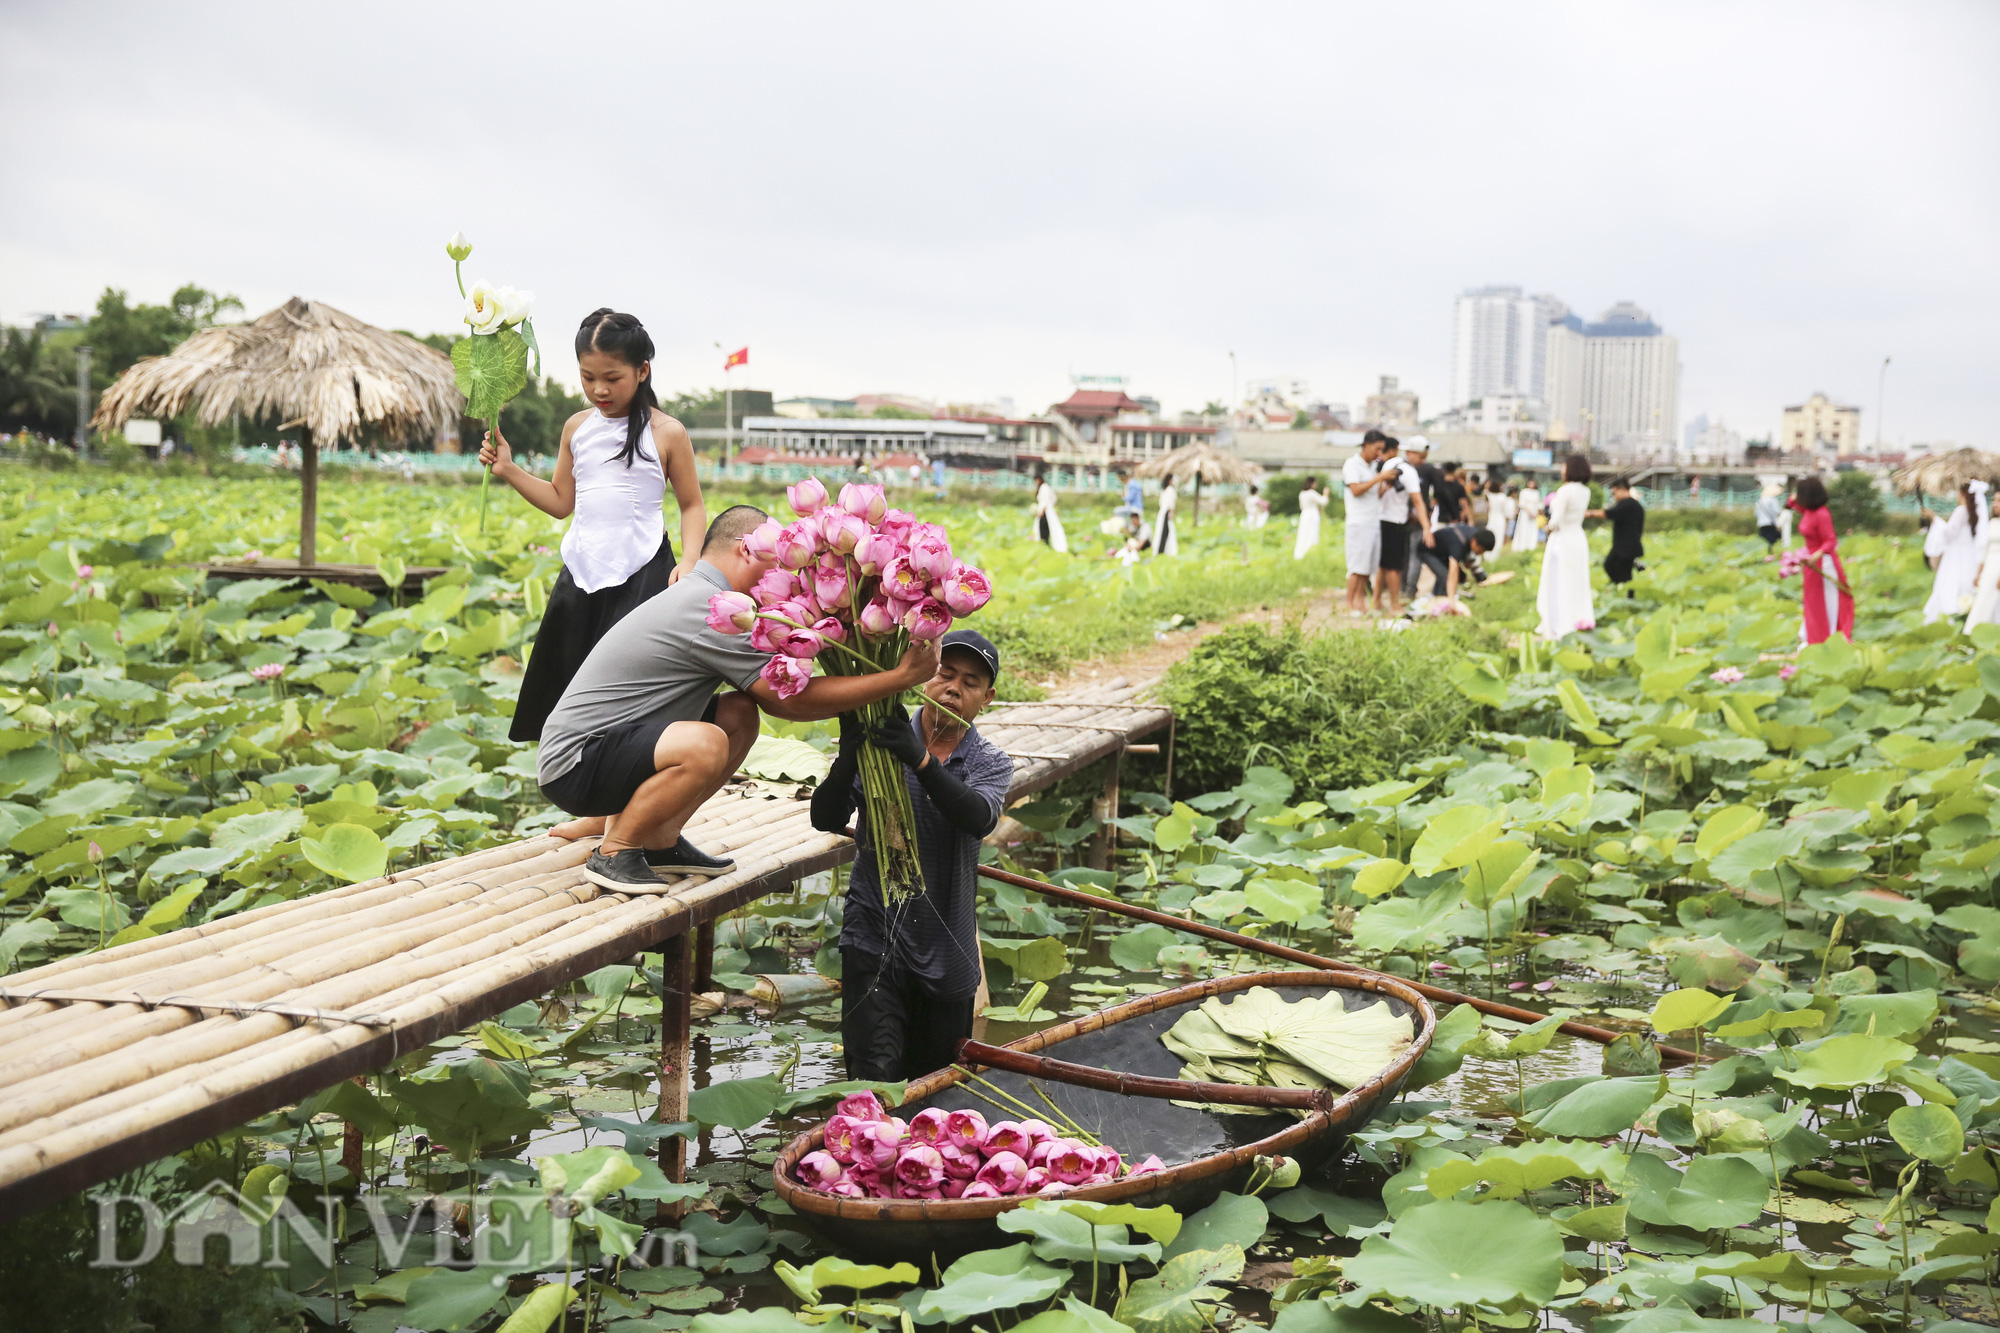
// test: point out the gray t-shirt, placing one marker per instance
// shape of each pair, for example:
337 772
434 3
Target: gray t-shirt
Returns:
658 665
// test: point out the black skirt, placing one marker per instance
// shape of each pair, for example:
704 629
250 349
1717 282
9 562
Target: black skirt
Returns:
571 626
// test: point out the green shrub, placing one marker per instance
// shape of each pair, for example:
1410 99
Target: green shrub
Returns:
1338 709
1855 503
1283 493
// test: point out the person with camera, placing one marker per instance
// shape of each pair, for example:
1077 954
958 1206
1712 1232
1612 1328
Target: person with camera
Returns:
1402 498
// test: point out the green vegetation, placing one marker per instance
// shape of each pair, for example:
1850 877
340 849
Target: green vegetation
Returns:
1679 825
1338 708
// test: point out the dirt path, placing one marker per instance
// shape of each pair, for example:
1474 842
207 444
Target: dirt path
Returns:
1153 659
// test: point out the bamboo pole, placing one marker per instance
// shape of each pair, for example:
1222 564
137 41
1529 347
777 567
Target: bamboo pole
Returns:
676 1060
1604 1036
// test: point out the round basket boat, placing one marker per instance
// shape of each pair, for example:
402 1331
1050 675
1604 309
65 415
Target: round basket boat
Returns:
1206 1152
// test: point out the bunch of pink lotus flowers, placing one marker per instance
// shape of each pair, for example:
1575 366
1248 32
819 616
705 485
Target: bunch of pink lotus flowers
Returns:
1791 561
853 582
952 1155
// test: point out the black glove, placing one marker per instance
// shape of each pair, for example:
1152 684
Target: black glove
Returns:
852 734
900 739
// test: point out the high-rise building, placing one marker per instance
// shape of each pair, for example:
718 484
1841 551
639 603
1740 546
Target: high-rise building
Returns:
1615 382
1498 343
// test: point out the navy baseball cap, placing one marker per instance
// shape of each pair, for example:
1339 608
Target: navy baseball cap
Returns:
975 643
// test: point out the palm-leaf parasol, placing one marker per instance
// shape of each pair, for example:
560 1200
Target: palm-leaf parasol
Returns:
1204 462
1943 474
313 366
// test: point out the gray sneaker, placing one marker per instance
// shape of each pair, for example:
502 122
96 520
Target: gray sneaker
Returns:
622 872
684 858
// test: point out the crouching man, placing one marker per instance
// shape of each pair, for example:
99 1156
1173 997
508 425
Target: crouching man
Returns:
909 970
641 738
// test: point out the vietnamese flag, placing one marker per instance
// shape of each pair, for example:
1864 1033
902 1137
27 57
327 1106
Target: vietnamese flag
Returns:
739 357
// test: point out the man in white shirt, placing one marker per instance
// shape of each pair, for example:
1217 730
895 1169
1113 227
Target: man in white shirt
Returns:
1361 494
1402 497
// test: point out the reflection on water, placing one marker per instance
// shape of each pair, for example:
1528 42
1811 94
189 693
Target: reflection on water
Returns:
1484 1087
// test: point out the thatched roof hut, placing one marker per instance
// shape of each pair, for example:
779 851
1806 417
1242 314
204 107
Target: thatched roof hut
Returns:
1943 474
314 367
1204 462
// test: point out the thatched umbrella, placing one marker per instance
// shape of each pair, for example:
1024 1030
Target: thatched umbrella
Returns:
313 366
1204 462
1943 474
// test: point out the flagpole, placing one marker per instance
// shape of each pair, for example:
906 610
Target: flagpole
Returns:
728 413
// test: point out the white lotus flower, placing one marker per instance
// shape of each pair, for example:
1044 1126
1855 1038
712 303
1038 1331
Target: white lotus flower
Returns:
515 306
485 309
458 247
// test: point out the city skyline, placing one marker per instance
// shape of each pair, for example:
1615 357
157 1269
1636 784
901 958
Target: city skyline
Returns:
889 233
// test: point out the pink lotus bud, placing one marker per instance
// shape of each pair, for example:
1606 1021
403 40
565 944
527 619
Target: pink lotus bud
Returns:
953 1188
85 571
776 585
874 552
762 541
966 1129
844 532
269 671
1004 1171
918 1191
840 1133
95 853
903 580
864 499
831 586
765 634
732 613
1039 1154
830 629
1150 1165
1787 671
819 1170
927 1125
878 1143
1726 676
928 620
846 1189
979 1189
1037 1177
785 675
1038 1131
960 1162
876 618
920 1165
1070 1162
1008 1136
966 589
930 552
806 497
798 545
896 525
1109 1163
803 644
1517 985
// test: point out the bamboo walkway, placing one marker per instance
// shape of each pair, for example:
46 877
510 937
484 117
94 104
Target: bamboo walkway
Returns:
110 1060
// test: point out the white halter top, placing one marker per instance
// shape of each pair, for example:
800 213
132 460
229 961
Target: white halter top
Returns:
618 524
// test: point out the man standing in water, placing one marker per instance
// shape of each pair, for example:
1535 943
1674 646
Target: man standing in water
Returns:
909 970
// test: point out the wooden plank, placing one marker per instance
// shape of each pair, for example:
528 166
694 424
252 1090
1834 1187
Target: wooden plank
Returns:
365 577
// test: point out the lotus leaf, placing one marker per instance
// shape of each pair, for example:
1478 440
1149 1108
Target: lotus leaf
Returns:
1511 1172
1458 1254
1852 1061
1678 1011
1074 1317
1928 1131
1719 1191
1320 1033
1233 1219
991 1280
1597 1108
736 1103
1166 1302
1061 1235
1454 838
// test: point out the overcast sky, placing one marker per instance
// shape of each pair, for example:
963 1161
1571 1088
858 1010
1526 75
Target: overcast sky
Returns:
966 202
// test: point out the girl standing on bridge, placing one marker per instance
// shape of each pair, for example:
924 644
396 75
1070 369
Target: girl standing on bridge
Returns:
612 470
